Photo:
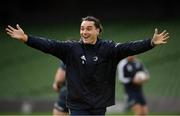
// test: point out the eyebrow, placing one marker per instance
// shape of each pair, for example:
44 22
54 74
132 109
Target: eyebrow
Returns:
87 26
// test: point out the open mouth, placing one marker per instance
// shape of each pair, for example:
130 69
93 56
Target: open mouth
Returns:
85 37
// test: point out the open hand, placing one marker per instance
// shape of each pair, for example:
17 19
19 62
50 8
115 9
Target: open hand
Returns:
17 33
160 38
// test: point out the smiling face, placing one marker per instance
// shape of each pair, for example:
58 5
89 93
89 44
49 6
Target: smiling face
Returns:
89 32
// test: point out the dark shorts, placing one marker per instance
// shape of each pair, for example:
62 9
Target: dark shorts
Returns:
97 111
135 98
61 103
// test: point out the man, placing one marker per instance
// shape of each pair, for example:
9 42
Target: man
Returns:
59 86
128 71
90 63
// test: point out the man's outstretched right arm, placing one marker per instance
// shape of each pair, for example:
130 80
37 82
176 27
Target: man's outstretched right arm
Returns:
39 43
53 47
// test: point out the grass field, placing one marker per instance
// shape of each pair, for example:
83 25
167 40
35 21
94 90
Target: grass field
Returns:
28 73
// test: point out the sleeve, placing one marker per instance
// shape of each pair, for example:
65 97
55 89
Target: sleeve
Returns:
53 47
131 48
121 72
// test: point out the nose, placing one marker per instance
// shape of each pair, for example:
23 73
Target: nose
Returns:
84 31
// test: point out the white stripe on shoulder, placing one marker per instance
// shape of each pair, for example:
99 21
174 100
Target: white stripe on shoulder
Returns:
117 44
120 71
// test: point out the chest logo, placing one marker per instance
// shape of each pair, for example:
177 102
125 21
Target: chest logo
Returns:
95 58
83 58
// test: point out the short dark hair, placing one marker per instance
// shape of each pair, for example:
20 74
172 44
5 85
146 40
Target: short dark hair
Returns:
96 21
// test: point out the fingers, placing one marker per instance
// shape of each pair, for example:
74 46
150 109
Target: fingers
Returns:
161 38
164 35
164 32
9 31
11 28
156 31
18 27
11 34
166 38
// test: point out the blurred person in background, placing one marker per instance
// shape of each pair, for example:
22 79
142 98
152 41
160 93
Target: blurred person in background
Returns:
91 63
59 85
133 75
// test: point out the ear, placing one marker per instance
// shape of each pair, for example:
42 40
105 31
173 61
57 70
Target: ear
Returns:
98 30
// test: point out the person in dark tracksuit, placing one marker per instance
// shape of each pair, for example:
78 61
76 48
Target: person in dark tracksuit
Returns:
59 85
90 63
127 71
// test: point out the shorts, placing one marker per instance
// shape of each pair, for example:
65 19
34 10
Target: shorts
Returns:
61 103
88 112
136 98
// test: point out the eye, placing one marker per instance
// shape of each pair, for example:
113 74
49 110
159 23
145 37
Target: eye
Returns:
89 28
81 29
